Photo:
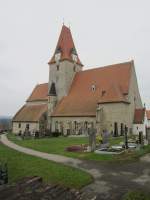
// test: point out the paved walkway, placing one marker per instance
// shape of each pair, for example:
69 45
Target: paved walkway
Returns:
112 180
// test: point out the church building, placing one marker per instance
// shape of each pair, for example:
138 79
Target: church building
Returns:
75 99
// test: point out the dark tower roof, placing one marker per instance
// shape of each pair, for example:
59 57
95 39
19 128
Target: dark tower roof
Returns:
52 90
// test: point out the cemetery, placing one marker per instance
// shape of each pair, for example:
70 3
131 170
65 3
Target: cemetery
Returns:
94 146
15 165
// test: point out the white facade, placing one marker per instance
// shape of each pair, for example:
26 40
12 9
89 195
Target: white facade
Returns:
21 126
148 123
140 127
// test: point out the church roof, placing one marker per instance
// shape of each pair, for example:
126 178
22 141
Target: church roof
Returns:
66 46
139 116
100 85
148 114
39 93
30 113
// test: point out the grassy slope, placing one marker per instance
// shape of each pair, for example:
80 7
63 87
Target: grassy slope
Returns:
22 165
58 146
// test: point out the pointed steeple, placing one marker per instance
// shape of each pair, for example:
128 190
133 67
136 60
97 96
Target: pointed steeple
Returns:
65 47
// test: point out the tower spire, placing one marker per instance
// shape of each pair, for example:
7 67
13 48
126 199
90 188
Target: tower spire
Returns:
65 46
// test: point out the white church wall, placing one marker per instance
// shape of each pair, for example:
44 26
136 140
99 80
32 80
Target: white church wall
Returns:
68 123
139 128
21 126
148 123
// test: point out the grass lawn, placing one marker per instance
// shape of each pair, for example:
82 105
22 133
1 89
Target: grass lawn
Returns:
21 165
136 195
58 146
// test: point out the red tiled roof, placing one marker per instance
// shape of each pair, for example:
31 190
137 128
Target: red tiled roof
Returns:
148 114
82 101
66 44
30 113
139 116
39 93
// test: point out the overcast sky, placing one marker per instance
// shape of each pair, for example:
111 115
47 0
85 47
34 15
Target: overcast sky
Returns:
104 32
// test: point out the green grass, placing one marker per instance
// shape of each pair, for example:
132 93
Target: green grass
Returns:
58 146
136 195
21 165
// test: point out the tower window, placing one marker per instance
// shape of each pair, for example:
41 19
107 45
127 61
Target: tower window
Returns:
57 67
19 125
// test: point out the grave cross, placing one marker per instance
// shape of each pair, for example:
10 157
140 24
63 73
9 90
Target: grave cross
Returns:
126 137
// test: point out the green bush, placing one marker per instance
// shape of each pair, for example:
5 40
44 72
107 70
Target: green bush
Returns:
55 134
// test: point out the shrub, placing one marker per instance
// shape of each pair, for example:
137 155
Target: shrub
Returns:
55 134
76 148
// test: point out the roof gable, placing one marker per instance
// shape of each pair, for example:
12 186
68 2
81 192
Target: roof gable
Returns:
39 93
139 116
30 113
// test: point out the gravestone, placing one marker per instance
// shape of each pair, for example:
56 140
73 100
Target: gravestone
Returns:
126 137
105 139
115 129
122 130
141 139
92 138
148 136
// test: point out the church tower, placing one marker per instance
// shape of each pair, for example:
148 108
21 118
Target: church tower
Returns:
64 64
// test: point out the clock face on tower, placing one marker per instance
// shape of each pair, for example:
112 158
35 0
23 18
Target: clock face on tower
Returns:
74 57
